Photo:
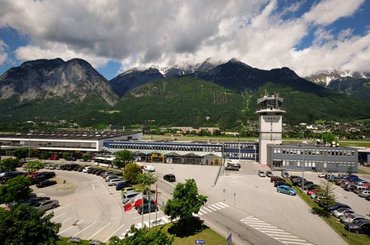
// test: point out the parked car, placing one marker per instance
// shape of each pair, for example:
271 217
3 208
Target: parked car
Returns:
33 200
349 218
232 167
364 193
145 208
269 173
127 189
349 187
359 226
113 182
322 175
277 183
284 173
46 183
286 190
261 173
109 177
121 185
46 205
276 178
358 189
337 205
128 196
342 211
149 168
169 177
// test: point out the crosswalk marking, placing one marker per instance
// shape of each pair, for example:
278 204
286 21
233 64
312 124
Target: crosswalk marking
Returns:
218 205
223 204
208 210
212 208
274 232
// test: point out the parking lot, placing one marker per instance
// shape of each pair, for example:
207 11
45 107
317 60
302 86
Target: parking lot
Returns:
90 209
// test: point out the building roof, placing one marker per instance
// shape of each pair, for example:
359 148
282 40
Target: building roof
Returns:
72 135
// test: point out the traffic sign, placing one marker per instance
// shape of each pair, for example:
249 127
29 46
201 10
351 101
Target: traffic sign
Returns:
200 242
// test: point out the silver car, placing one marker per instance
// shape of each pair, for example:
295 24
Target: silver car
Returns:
46 205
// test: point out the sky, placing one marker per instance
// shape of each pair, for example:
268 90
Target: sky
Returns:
307 36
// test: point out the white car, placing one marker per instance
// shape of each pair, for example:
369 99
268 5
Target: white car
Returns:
114 181
321 175
342 211
149 168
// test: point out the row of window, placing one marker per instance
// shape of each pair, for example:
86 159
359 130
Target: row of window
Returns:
314 152
310 163
62 144
237 145
193 148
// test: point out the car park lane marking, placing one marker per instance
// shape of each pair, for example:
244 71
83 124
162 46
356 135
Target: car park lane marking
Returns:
66 220
55 217
114 232
72 226
274 232
87 227
99 230
61 208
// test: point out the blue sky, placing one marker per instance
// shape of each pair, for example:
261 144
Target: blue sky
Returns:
307 36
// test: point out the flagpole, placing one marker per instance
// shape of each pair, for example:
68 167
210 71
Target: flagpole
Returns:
156 201
149 205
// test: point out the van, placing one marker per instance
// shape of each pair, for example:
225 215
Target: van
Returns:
128 196
358 188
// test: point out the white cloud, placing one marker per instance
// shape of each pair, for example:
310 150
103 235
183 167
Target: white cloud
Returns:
328 11
3 54
165 33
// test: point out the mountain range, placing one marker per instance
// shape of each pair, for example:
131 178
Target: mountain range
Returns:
209 93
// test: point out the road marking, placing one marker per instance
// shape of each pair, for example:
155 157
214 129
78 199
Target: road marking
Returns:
204 208
99 230
272 231
93 187
61 208
72 226
224 204
200 212
87 227
66 220
55 217
218 205
214 206
113 233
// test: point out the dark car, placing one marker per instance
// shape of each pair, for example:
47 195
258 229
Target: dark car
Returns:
276 178
145 208
5 176
284 173
269 173
359 226
169 177
121 185
33 200
232 167
46 183
337 205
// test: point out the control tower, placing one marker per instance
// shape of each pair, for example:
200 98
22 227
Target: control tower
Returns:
270 123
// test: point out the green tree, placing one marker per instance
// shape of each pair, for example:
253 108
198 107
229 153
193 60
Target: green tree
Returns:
26 225
44 155
145 180
186 201
143 236
325 194
122 158
328 137
15 189
33 166
9 164
21 153
85 157
131 172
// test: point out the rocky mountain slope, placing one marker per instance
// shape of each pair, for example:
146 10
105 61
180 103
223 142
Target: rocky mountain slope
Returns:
71 81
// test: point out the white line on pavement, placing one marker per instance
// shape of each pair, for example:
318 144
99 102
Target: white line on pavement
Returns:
204 208
212 208
218 205
297 243
66 220
71 227
99 230
289 239
224 204
61 208
55 217
92 186
113 233
87 227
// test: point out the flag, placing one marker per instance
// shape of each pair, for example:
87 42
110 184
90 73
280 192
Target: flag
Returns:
134 202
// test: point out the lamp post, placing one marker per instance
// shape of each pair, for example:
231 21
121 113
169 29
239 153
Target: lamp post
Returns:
239 147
